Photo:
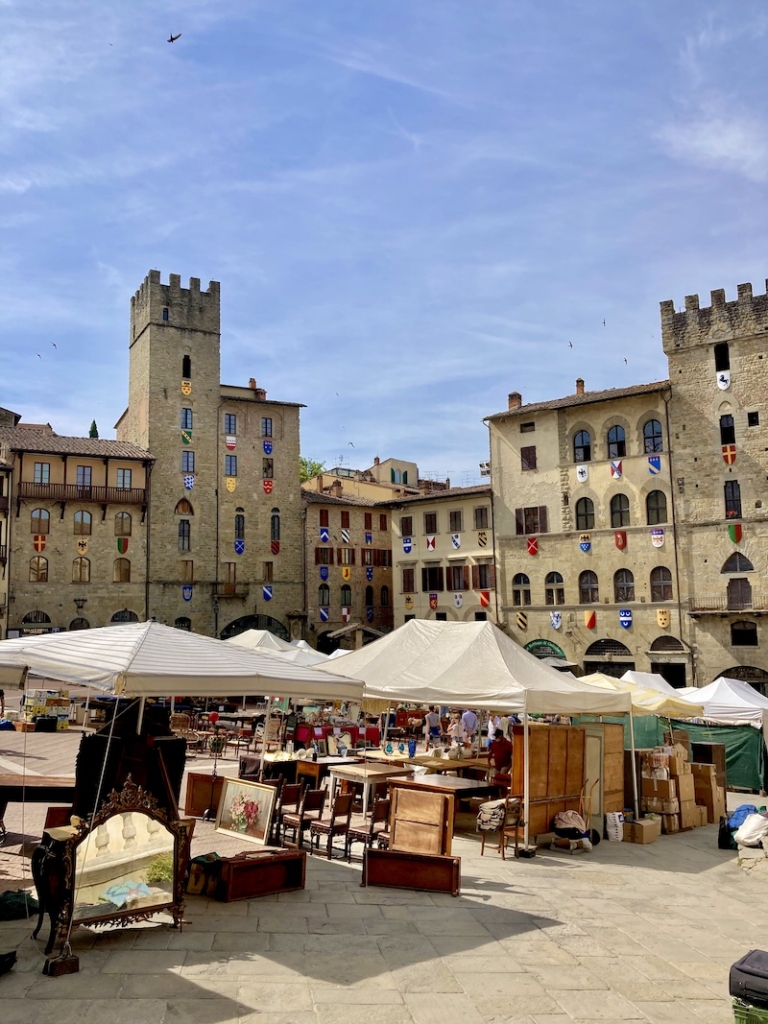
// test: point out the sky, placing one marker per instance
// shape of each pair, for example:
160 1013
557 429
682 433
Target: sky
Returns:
412 207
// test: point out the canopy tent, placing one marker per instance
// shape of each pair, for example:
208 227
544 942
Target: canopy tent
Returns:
651 681
646 701
340 652
262 639
148 659
732 701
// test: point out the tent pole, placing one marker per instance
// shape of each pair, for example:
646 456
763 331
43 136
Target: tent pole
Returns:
140 721
526 780
634 763
264 739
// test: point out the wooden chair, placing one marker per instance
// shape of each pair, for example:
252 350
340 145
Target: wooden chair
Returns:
311 807
269 735
181 725
288 799
336 825
509 824
370 833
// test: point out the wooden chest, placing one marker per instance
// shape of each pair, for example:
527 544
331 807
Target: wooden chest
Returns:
260 873
412 871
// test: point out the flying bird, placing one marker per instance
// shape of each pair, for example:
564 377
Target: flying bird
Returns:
350 443
38 355
54 344
603 323
172 38
570 344
625 361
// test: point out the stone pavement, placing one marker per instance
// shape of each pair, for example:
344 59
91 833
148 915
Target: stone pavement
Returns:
622 933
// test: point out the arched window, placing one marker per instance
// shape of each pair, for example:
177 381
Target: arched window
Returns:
585 514
239 527
323 595
123 524
739 594
652 438
121 570
79 623
521 590
588 590
732 500
184 535
385 597
35 618
607 646
667 644
186 367
623 586
737 563
81 570
41 520
83 524
744 633
582 447
346 595
184 508
661 584
38 569
619 510
656 508
183 623
274 532
125 616
617 443
554 592
368 596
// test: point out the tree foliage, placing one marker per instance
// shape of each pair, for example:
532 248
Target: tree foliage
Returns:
94 430
309 468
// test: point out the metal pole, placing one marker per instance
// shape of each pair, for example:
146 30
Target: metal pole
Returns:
264 740
140 721
526 779
634 764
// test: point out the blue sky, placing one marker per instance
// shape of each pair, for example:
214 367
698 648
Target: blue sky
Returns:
414 204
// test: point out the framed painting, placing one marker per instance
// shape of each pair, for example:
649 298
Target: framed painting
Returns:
322 748
245 810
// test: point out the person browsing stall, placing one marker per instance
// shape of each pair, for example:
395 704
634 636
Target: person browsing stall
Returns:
501 754
434 728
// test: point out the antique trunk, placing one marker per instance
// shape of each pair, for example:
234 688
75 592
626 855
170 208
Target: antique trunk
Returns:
260 873
412 871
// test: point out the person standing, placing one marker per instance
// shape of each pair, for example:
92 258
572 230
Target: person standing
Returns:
469 723
433 727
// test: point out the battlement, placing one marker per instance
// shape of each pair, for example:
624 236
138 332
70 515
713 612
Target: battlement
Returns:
721 321
170 304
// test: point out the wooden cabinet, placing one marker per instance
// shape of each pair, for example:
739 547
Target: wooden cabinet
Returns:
557 771
260 873
199 796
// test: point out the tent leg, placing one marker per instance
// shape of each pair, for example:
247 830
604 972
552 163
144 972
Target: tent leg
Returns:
140 721
634 770
526 781
264 739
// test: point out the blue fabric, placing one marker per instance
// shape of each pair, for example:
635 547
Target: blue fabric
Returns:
740 815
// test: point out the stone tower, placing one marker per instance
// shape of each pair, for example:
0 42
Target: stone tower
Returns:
718 372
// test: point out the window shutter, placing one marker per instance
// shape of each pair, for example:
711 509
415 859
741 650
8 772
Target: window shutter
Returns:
351 556
330 556
475 577
376 556
543 525
440 576
317 556
339 555
519 523
491 577
424 580
465 577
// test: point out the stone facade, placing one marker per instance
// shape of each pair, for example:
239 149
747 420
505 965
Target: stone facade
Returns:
443 553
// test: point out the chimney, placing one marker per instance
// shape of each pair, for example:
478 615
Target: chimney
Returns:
515 400
261 395
336 488
252 383
376 460
579 385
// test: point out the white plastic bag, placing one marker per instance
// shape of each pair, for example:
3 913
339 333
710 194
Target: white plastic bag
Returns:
752 830
614 827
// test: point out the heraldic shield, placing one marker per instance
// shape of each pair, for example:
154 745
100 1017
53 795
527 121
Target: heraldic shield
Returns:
663 617
458 600
555 620
620 537
585 542
433 601
625 617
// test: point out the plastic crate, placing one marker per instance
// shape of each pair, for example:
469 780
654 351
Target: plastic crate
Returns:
744 1013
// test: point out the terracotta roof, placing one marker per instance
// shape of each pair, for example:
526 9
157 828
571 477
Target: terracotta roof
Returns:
316 498
452 492
588 398
40 441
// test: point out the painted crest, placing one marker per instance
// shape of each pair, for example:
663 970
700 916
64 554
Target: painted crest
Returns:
533 545
729 454
230 442
122 545
407 545
268 486
590 619
239 546
620 539
186 591
82 546
724 380
368 538
266 593
663 617
616 468
482 539
189 481
324 573
582 474
555 620
522 620
267 447
485 599
430 542
654 464
625 617
735 532
369 614
346 573
323 614
458 600
657 537
39 541
274 547
186 437
433 601
585 542
369 573
186 387
345 614
231 483
325 534
408 602
456 540
345 536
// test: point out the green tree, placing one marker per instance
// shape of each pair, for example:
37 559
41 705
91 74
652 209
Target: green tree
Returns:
308 468
94 430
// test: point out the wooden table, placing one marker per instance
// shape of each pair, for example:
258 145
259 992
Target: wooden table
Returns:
447 764
462 789
367 775
316 771
40 789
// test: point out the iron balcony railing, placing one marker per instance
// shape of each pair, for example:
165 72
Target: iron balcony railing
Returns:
71 492
721 603
223 589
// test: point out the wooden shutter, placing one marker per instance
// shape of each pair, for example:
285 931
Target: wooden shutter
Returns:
330 556
465 577
491 577
345 520
424 580
369 520
440 577
339 555
475 578
351 556
543 524
383 521
519 522
323 517
317 556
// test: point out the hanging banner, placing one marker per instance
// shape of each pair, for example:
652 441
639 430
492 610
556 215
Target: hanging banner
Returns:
625 617
485 599
369 538
582 474
433 601
369 614
533 545
407 545
369 573
585 542
724 380
324 573
186 592
590 619
239 547
189 481
654 464
616 469
345 536
729 454
663 617
620 539
735 532
657 537
555 620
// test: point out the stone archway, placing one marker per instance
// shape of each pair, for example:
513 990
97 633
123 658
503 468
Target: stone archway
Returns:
238 626
757 677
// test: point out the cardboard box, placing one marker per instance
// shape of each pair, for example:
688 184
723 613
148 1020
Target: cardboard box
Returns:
655 805
701 813
686 789
703 771
670 823
644 831
664 789
689 816
719 808
706 794
679 766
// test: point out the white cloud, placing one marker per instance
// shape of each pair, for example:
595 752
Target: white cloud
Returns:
737 143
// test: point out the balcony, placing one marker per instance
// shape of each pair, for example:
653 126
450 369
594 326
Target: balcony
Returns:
71 492
229 590
720 604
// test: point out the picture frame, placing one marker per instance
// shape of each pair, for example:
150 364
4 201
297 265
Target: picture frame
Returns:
245 810
322 748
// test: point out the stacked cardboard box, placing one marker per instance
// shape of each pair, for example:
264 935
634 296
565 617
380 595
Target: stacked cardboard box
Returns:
708 793
685 795
646 830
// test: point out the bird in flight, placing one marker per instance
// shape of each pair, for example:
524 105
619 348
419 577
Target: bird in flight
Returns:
625 361
570 344
54 344
350 443
38 355
172 38
603 323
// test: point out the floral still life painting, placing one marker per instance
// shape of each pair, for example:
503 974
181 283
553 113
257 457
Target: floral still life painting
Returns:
245 810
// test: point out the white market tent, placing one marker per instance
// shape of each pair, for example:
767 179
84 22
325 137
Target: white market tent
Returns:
646 701
651 681
263 640
731 701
